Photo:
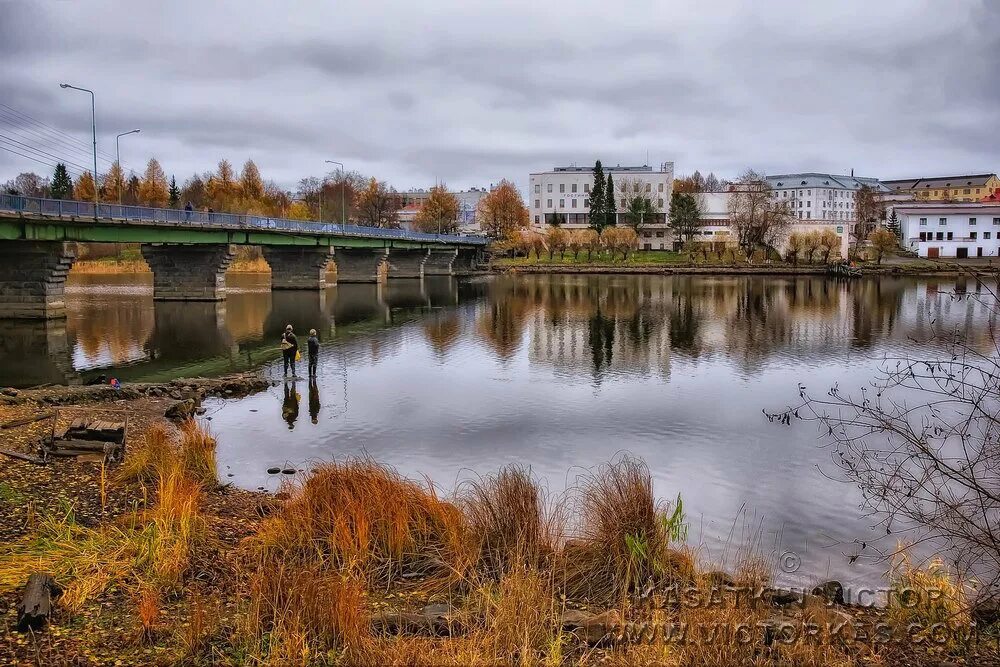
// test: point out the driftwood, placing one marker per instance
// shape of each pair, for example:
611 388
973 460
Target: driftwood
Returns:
21 421
87 445
36 606
22 457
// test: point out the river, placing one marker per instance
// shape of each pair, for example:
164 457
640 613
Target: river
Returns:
451 378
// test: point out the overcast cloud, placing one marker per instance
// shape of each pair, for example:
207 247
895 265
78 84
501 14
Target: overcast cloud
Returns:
469 93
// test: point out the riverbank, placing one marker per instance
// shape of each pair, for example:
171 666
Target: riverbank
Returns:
158 562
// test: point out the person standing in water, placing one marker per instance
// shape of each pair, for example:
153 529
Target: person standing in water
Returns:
289 348
313 346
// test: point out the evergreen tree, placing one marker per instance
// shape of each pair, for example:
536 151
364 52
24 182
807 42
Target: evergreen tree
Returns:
610 204
62 185
174 194
597 203
893 224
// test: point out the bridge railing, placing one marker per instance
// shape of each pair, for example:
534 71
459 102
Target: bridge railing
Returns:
63 208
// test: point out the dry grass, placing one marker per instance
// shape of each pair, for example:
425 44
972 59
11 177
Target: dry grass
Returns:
249 265
923 598
109 266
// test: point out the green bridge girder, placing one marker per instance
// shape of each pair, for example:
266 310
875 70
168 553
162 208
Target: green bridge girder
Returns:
31 228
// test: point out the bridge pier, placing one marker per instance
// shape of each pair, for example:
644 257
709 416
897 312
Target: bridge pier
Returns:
465 261
439 262
33 279
406 263
359 265
297 268
188 272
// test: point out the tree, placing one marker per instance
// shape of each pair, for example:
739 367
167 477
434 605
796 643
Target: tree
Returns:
556 238
153 189
173 194
619 239
132 187
502 211
29 184
113 184
829 243
221 187
298 210
576 243
589 239
684 215
610 203
555 218
378 205
439 212
811 241
251 184
598 204
194 191
755 218
796 244
868 209
85 187
62 185
882 241
892 224
640 210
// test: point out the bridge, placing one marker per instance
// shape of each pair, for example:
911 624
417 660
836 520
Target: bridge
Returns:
189 251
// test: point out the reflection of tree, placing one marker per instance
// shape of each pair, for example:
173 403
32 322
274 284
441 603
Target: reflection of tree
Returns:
601 340
501 325
874 309
685 324
109 331
442 331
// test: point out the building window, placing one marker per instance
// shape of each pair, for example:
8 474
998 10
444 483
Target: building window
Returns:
972 222
586 203
659 203
536 218
548 203
967 191
562 188
951 235
648 187
659 188
923 221
800 215
973 235
586 187
986 235
572 188
942 222
538 203
538 188
659 235
550 187
809 192
940 236
562 203
809 204
840 230
923 236
623 203
572 203
996 221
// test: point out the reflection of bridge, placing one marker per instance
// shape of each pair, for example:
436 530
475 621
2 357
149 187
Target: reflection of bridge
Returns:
189 251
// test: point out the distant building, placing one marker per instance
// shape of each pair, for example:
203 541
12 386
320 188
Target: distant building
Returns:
965 229
971 188
565 191
823 197
468 201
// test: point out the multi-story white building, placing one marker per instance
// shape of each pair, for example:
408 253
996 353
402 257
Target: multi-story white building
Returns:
565 191
950 230
822 197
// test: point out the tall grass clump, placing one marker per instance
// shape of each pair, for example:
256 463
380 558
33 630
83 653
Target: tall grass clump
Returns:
508 521
625 535
927 598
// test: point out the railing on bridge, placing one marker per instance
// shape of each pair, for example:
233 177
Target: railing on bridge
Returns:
113 212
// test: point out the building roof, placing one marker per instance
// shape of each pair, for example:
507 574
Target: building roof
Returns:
950 207
972 180
642 168
812 179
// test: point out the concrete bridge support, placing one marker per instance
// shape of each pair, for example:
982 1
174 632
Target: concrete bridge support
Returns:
297 268
359 265
466 261
406 263
439 262
33 279
188 272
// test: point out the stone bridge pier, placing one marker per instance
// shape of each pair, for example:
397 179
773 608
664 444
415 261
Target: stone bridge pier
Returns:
296 267
33 279
188 272
466 261
359 265
439 262
406 263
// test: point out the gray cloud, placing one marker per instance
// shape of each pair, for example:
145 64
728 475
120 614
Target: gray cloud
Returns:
469 93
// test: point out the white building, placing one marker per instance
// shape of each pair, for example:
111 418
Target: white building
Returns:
823 197
565 191
950 230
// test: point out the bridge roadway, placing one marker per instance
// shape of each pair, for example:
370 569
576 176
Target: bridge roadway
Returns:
189 251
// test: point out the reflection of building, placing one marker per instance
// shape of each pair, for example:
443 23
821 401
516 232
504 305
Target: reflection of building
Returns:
950 230
565 192
942 188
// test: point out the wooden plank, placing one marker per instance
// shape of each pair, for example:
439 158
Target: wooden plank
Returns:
30 419
22 457
36 604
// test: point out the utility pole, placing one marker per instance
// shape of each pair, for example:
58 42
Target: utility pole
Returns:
93 123
343 192
118 157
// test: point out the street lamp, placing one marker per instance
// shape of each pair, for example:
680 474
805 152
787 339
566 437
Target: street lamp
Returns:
93 119
343 195
118 154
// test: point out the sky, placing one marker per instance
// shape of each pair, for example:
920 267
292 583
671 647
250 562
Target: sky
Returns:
467 93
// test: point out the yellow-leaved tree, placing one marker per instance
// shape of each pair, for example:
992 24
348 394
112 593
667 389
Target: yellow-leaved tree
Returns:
153 188
221 187
502 211
439 212
251 184
113 184
85 189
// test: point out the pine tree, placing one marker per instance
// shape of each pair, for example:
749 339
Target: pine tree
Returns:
62 186
610 205
892 226
597 204
174 194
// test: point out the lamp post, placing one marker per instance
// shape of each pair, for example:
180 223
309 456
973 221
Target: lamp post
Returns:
343 195
118 156
93 124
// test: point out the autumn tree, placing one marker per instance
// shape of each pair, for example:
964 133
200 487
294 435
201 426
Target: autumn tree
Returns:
85 188
598 204
795 245
62 185
251 184
194 191
620 239
113 184
298 210
221 187
556 238
378 205
28 184
829 244
811 241
756 220
868 209
883 241
173 194
589 239
438 213
640 209
153 189
684 215
610 203
576 242
131 193
502 211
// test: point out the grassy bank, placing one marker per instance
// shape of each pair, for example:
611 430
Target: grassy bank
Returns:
355 564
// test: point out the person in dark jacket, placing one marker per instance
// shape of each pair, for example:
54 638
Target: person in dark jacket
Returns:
188 208
313 346
289 348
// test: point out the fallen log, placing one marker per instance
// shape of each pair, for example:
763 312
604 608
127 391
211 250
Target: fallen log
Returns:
87 445
22 457
63 453
36 605
21 421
